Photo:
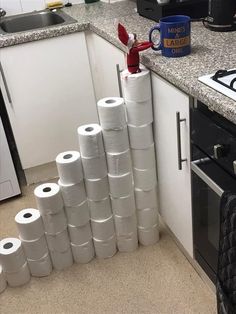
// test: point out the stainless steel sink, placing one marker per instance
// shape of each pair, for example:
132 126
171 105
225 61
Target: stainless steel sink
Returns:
34 20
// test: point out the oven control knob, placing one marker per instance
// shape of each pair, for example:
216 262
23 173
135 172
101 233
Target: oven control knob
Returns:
219 151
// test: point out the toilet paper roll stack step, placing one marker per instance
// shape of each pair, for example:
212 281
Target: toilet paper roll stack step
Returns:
73 194
141 137
100 210
139 113
147 217
80 235
41 267
95 167
62 260
12 255
69 167
35 249
59 242
121 185
111 111
78 215
145 179
19 277
116 141
3 281
119 163
123 206
90 140
144 158
137 86
48 198
54 223
125 225
103 229
83 253
146 199
128 243
148 236
105 249
29 224
97 189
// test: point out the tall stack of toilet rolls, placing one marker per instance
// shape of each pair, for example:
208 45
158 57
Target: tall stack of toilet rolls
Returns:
50 204
137 95
97 188
31 233
112 118
72 186
14 263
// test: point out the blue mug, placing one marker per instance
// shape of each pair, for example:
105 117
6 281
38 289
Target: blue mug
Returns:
175 36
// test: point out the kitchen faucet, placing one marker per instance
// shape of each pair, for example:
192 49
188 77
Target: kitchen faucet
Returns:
2 12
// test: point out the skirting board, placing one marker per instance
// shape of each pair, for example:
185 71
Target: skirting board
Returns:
41 173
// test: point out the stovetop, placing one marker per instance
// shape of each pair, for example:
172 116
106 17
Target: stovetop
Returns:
223 81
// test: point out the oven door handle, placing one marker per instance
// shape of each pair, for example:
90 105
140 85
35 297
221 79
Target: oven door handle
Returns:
206 179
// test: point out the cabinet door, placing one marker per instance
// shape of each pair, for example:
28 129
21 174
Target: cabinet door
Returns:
103 58
51 89
174 184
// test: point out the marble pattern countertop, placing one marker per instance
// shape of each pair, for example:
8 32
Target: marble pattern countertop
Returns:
210 51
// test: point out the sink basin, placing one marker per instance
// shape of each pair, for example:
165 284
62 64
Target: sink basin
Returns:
34 20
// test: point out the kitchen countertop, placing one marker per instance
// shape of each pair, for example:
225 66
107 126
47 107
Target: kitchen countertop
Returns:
210 51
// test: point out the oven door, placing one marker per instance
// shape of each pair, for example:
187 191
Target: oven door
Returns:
209 181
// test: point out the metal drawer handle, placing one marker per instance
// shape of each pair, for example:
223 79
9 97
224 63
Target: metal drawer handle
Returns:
5 84
180 159
118 71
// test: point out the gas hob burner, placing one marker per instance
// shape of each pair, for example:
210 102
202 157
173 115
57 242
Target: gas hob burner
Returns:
223 81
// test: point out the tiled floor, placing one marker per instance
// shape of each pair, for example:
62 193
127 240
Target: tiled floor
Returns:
151 280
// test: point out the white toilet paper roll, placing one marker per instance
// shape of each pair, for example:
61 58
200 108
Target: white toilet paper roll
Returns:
121 185
3 282
78 215
145 179
83 253
69 167
12 255
111 111
147 217
73 194
128 243
35 249
29 224
80 235
61 260
41 267
148 236
48 198
125 225
97 189
139 113
59 242
100 210
146 199
95 168
116 141
141 137
137 86
103 229
90 140
105 249
20 277
119 163
124 206
54 223
144 158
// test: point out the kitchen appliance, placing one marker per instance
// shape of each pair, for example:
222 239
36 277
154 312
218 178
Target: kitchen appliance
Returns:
213 168
224 81
153 10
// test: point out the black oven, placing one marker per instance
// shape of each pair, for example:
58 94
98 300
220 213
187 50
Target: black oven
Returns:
213 167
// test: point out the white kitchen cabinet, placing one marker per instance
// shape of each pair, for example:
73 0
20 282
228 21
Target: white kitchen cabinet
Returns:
103 58
174 184
51 90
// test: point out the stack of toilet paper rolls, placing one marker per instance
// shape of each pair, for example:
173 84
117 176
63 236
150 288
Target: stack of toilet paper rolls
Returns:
112 117
50 204
31 233
3 281
72 186
138 99
14 263
97 187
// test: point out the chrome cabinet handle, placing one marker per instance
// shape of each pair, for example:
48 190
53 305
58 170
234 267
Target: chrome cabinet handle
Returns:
180 159
5 84
118 71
